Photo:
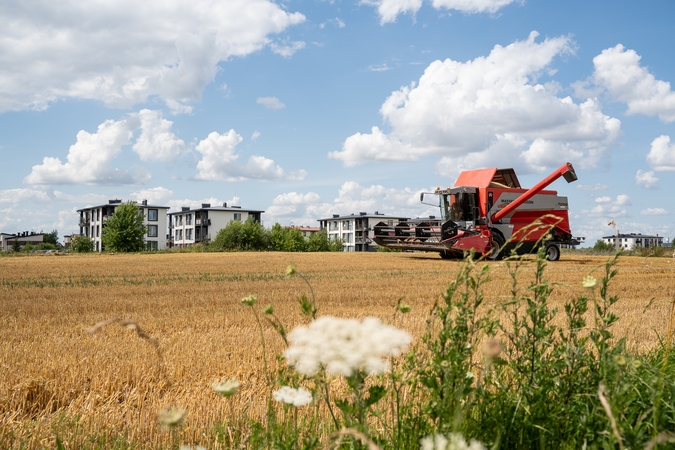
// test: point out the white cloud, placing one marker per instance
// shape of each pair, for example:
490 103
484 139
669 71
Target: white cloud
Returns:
89 159
176 205
155 196
255 135
335 22
654 212
619 72
608 208
22 195
646 179
379 67
287 50
592 187
122 53
270 103
220 162
82 199
662 155
156 142
352 198
390 9
487 110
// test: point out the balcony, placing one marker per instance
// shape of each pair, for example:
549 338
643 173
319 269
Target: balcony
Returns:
84 223
203 222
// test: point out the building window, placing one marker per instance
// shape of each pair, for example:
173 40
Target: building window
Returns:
237 217
197 233
92 231
188 219
179 235
151 245
188 234
152 215
390 223
179 220
98 214
152 230
97 230
347 238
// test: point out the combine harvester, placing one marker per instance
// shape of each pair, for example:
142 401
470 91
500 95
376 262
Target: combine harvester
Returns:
485 210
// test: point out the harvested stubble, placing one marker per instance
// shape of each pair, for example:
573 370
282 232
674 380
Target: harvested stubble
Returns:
56 378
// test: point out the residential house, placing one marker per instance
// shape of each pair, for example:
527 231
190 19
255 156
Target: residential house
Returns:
192 225
25 237
629 241
356 230
94 218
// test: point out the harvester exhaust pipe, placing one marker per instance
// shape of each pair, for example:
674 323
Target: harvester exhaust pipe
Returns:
566 171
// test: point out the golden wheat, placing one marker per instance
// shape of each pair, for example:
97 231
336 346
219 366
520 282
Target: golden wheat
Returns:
56 378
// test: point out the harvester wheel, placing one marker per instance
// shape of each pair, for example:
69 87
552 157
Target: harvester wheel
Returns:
552 252
497 242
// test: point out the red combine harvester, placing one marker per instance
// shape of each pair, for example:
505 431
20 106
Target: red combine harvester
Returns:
483 211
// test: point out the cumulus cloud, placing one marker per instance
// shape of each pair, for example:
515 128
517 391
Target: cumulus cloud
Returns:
122 54
646 179
609 208
156 142
487 110
662 154
287 49
219 162
156 196
335 22
89 159
22 195
270 103
352 198
654 212
390 9
618 70
592 187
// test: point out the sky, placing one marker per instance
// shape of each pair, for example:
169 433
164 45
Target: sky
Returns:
308 108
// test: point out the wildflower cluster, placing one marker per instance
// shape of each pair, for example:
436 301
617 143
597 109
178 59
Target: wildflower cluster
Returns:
344 346
454 441
295 397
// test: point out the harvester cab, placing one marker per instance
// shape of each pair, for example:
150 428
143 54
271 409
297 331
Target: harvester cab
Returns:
488 212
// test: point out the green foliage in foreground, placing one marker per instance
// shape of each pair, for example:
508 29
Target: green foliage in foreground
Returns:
124 230
520 374
252 236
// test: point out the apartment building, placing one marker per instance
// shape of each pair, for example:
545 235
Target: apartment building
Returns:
356 230
629 241
190 226
93 219
24 238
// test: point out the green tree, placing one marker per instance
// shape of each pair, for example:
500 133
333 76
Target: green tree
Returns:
286 239
16 247
124 230
238 236
603 247
81 244
51 238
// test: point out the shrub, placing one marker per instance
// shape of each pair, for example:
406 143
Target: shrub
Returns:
603 247
286 239
238 236
81 244
45 246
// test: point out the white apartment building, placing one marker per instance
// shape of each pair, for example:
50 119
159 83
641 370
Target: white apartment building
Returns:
629 241
190 226
93 219
357 230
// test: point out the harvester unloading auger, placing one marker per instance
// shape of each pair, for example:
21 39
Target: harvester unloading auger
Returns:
485 210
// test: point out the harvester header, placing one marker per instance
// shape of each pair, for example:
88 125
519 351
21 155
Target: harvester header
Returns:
488 211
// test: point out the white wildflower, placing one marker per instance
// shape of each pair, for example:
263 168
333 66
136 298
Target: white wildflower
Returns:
226 388
295 397
589 282
454 441
344 346
171 417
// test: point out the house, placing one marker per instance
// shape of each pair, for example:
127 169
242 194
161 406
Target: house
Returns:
190 226
629 241
93 219
305 231
356 230
25 237
68 239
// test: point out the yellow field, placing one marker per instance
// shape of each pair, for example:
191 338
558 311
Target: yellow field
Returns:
57 378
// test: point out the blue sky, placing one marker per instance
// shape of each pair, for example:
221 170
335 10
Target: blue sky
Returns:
308 108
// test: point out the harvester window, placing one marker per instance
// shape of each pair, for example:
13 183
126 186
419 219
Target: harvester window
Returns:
462 207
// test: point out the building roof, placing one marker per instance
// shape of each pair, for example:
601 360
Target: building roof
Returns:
119 202
303 228
216 208
634 236
376 215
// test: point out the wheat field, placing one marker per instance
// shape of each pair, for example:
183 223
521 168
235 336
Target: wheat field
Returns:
56 379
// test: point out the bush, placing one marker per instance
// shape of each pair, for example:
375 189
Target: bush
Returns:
45 246
286 239
238 236
81 244
603 247
124 231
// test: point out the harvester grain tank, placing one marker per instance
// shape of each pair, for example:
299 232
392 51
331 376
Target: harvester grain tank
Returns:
485 210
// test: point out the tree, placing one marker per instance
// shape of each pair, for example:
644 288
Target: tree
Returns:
51 238
286 239
239 236
319 242
124 231
81 244
603 247
16 247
